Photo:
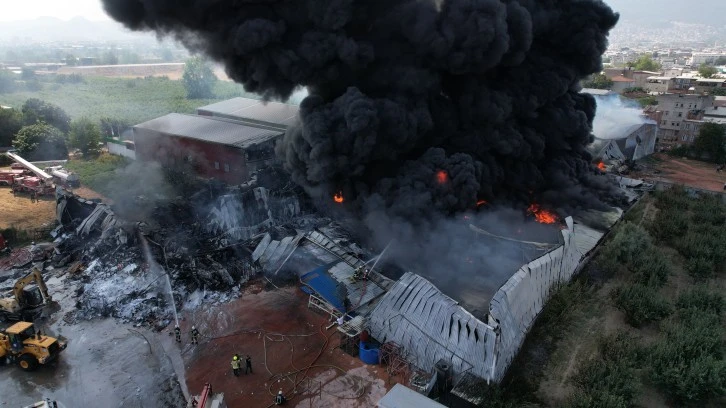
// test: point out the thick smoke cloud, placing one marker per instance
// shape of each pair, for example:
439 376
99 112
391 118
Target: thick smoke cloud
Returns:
416 107
615 115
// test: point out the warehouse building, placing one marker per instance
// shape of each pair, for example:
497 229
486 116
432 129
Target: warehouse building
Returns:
228 140
218 148
253 112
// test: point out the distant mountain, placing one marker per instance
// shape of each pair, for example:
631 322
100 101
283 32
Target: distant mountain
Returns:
707 12
45 29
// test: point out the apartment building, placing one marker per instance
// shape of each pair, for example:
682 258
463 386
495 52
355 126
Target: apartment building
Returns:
681 117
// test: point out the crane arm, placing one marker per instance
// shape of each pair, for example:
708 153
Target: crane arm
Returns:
34 276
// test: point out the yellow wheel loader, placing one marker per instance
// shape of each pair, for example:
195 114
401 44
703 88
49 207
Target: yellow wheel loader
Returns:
30 297
21 344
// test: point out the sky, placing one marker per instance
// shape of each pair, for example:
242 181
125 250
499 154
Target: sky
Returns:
63 9
629 9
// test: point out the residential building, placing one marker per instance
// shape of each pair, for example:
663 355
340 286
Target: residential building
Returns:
708 85
700 58
717 114
682 116
659 84
622 83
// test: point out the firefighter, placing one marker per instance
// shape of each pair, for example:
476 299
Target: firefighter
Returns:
279 398
32 196
195 335
248 364
177 334
235 365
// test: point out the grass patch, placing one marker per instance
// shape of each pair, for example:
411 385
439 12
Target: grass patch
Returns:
98 173
132 100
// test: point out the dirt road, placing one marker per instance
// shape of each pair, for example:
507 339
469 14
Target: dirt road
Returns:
684 171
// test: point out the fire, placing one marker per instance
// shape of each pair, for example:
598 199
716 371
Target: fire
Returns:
601 166
338 197
542 215
481 202
442 177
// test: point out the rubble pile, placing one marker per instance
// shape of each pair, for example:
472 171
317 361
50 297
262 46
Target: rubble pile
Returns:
197 250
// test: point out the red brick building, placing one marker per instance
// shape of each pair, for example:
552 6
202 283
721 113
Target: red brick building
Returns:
215 147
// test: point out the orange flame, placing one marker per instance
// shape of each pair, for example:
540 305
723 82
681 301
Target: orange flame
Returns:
338 197
442 177
481 202
601 166
542 215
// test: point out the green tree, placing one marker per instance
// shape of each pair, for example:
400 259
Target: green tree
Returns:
109 58
27 74
11 120
710 141
707 71
198 79
645 63
71 60
36 110
41 142
7 82
113 127
598 81
85 136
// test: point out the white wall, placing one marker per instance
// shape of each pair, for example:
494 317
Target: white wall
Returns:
119 150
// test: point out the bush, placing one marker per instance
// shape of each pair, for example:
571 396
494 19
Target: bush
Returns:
630 241
670 224
609 380
688 364
700 298
651 268
704 241
710 210
675 197
641 304
700 268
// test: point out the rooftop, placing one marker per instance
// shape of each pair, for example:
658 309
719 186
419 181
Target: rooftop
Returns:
402 397
621 78
593 91
253 111
213 130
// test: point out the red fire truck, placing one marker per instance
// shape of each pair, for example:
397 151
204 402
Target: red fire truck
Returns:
7 177
28 184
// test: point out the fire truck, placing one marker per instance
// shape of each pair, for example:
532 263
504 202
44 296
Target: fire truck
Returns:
7 177
38 181
29 184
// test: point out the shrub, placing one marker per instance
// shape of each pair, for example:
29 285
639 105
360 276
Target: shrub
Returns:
641 304
675 197
700 267
630 241
670 224
700 298
710 210
688 364
651 268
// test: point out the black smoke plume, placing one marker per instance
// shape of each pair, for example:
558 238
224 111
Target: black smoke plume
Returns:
416 106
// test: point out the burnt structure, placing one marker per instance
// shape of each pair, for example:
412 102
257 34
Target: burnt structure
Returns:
218 148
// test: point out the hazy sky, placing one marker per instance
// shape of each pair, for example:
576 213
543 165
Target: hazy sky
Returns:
64 9
629 9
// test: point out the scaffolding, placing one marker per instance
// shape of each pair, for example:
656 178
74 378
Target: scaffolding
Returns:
393 357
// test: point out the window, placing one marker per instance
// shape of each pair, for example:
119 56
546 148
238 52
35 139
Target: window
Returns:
667 112
678 124
680 114
226 168
216 165
662 122
673 124
688 126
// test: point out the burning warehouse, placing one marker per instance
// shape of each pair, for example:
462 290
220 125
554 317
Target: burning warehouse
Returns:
416 118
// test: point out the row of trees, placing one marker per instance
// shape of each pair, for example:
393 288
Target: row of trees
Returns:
43 131
710 144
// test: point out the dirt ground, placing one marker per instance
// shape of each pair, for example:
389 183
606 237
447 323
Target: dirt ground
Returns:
682 171
16 210
290 348
19 212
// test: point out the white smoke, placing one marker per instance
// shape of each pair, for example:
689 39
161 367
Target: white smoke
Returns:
615 116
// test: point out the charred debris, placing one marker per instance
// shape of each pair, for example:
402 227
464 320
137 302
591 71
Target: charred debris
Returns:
203 243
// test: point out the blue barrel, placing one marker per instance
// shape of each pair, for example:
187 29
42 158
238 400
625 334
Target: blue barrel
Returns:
368 355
